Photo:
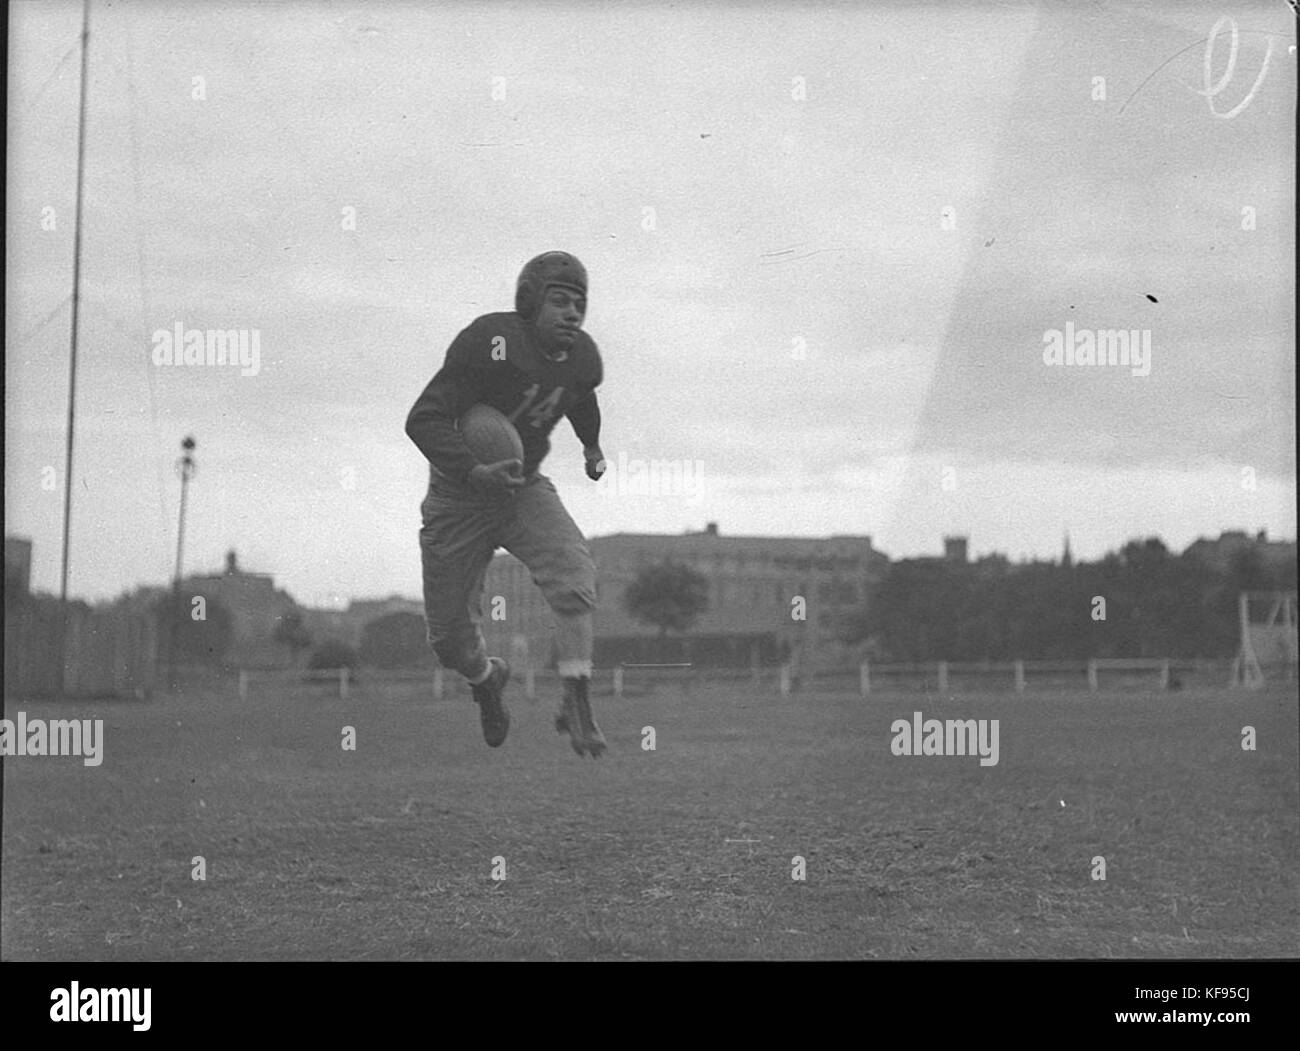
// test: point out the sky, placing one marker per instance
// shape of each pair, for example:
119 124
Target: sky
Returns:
827 246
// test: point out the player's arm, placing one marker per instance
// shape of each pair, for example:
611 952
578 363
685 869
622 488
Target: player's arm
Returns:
585 417
431 423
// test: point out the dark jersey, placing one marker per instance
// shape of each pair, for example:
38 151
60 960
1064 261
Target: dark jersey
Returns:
497 361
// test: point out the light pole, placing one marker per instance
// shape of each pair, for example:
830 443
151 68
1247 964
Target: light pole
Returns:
185 467
72 354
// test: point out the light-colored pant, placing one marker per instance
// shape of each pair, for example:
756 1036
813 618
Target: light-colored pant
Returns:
463 527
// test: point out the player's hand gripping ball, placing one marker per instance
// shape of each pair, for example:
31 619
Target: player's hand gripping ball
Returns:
496 446
504 475
595 460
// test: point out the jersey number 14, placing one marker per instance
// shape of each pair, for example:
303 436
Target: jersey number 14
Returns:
540 414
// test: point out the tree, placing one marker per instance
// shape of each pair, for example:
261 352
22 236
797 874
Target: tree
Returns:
1144 554
291 632
1247 571
915 612
670 596
332 654
395 640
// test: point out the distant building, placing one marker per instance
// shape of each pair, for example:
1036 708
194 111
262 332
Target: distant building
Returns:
366 610
754 582
956 551
256 606
1274 554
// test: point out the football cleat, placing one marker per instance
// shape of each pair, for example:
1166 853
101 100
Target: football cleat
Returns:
493 715
575 719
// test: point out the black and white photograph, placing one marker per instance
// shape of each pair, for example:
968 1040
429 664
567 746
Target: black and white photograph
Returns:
650 482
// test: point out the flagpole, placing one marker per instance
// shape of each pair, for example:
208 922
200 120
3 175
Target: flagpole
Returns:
76 311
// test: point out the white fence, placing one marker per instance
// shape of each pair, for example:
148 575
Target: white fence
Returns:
868 678
1013 675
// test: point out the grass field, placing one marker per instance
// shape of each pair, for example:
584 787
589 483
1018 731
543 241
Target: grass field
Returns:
386 852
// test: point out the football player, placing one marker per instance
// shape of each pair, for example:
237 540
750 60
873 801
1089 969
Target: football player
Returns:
535 365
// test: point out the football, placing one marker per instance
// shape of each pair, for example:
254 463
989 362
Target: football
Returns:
489 435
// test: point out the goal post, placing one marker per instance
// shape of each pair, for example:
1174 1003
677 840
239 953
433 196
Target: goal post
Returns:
1267 649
